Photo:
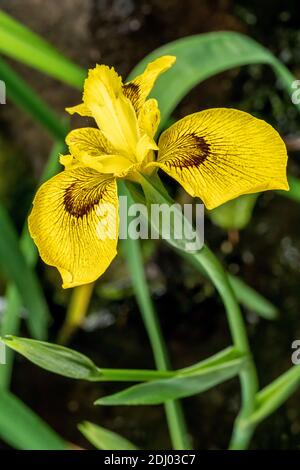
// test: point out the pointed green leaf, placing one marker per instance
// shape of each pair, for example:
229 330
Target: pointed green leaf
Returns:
205 55
221 358
15 267
25 98
11 316
55 358
275 394
70 363
104 439
235 214
21 44
23 429
183 385
251 299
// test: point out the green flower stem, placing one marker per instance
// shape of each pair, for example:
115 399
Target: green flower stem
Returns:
77 311
248 377
155 192
177 427
174 413
10 324
134 375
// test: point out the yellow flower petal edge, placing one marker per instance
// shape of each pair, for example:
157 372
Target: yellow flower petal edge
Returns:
80 109
138 89
67 161
74 222
219 154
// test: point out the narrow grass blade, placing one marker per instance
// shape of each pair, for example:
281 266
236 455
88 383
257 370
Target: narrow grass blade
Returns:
11 318
275 394
21 44
222 357
25 98
181 386
253 300
15 267
104 439
10 324
174 412
23 429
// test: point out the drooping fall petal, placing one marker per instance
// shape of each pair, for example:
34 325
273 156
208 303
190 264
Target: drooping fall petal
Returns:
74 223
219 154
138 89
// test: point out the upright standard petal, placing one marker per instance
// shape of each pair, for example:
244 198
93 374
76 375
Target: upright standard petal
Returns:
138 89
149 117
219 154
148 121
74 223
113 112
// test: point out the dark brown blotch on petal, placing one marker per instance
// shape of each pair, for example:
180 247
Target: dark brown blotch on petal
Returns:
194 150
132 92
80 203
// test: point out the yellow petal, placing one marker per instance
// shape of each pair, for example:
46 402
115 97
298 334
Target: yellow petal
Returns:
220 154
112 111
116 165
88 140
91 149
149 117
138 89
148 121
80 109
74 223
67 160
145 145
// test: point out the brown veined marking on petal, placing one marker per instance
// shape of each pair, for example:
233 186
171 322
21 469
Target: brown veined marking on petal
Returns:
132 92
79 205
194 150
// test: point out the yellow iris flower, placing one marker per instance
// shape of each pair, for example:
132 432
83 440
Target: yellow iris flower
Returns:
216 155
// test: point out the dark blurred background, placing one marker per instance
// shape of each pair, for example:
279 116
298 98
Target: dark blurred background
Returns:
267 256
